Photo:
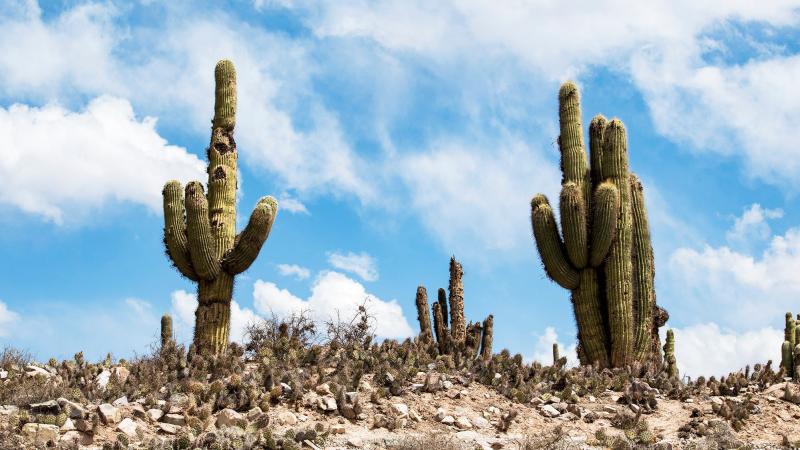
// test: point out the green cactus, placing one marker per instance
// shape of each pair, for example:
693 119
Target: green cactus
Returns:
791 332
669 355
605 257
556 353
166 330
487 338
200 229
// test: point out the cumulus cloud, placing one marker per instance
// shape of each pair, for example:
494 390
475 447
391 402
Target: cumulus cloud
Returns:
333 294
58 163
753 225
361 264
705 349
141 308
543 350
79 54
7 319
293 270
737 287
184 305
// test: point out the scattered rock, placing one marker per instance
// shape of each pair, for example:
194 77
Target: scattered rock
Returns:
72 409
287 418
337 429
154 414
355 441
463 423
399 410
180 420
48 407
108 414
229 418
36 371
122 401
323 389
549 411
102 379
327 403
128 426
448 420
168 428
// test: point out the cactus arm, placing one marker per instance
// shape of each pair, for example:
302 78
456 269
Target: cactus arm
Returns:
166 330
787 358
573 224
550 246
573 153
597 128
442 298
643 268
198 230
439 328
224 95
618 263
175 230
605 214
249 242
487 338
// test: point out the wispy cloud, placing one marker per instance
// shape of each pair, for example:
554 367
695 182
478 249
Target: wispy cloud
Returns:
361 264
7 319
299 272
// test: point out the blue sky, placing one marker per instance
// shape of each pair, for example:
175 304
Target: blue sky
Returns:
394 134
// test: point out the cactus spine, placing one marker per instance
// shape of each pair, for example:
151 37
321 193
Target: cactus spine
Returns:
605 257
166 330
200 228
422 314
669 355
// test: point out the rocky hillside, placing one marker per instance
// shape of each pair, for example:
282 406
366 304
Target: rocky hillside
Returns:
431 408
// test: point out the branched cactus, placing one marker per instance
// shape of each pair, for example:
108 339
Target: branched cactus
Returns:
166 330
200 228
669 355
603 253
457 337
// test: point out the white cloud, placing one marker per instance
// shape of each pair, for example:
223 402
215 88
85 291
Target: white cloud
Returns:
7 319
543 351
59 164
79 53
475 198
299 272
705 349
292 205
333 293
752 225
361 264
738 288
184 305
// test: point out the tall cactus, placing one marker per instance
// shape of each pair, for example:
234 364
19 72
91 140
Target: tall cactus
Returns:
200 228
166 330
605 257
788 361
458 326
669 355
422 314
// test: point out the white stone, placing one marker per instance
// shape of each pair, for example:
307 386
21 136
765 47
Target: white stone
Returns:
480 422
463 423
69 425
323 389
287 418
109 414
128 426
102 379
399 410
168 428
34 371
154 414
327 403
448 420
337 429
122 401
549 411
